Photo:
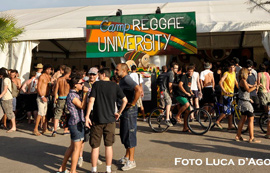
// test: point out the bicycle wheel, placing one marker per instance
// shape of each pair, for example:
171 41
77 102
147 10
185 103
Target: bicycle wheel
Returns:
20 115
263 122
157 119
212 112
237 118
199 121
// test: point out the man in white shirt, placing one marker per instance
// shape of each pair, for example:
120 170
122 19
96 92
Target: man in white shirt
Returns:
139 80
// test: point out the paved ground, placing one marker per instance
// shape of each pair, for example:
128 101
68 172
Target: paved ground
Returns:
156 152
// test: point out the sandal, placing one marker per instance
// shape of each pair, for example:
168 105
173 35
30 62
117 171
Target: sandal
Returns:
240 139
178 120
233 128
10 131
36 133
186 131
254 141
218 125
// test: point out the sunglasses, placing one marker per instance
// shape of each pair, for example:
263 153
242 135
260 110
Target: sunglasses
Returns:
81 83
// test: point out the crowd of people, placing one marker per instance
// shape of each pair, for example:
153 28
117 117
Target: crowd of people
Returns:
184 85
93 101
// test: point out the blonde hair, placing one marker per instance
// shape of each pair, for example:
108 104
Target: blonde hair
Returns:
243 74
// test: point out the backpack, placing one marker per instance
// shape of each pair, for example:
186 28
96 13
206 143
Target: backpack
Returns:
14 90
162 81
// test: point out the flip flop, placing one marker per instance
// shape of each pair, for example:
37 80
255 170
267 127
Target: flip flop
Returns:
240 139
178 120
219 125
254 141
10 131
186 131
36 133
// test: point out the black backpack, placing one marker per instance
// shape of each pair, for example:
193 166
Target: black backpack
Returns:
162 81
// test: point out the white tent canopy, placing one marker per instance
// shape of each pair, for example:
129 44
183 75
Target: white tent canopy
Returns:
70 22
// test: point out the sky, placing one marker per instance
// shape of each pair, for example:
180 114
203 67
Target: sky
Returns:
30 4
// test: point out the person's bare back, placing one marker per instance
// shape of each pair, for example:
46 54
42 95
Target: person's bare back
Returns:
208 81
63 87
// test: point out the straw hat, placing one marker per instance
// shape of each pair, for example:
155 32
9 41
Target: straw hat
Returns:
39 66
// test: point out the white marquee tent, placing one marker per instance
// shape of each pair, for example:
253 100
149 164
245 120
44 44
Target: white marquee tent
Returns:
220 24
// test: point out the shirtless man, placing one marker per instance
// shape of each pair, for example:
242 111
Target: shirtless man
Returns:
59 73
208 84
42 100
62 90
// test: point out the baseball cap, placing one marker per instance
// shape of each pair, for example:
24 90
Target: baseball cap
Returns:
93 70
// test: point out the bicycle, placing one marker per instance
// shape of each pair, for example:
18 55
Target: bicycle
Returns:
215 112
263 121
199 120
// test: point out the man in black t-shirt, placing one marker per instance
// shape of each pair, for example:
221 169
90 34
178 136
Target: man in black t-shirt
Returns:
104 94
251 80
184 91
128 125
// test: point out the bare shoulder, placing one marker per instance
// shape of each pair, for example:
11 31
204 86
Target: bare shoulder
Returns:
18 80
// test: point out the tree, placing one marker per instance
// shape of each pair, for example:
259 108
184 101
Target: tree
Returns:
259 4
8 30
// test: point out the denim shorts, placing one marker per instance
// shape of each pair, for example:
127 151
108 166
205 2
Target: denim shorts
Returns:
77 132
128 127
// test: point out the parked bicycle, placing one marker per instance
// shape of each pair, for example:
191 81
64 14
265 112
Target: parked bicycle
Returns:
216 110
199 120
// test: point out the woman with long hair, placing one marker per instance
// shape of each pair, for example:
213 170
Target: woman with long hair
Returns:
75 105
245 106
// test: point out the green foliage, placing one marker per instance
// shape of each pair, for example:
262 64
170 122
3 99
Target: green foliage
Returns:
8 30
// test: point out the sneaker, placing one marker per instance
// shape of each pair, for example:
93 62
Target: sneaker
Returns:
80 162
123 160
129 165
54 133
99 162
168 123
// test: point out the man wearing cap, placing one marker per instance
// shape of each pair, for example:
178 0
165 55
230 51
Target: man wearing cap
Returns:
92 74
39 68
208 83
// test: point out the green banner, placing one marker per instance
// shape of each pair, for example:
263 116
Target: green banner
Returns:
153 34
